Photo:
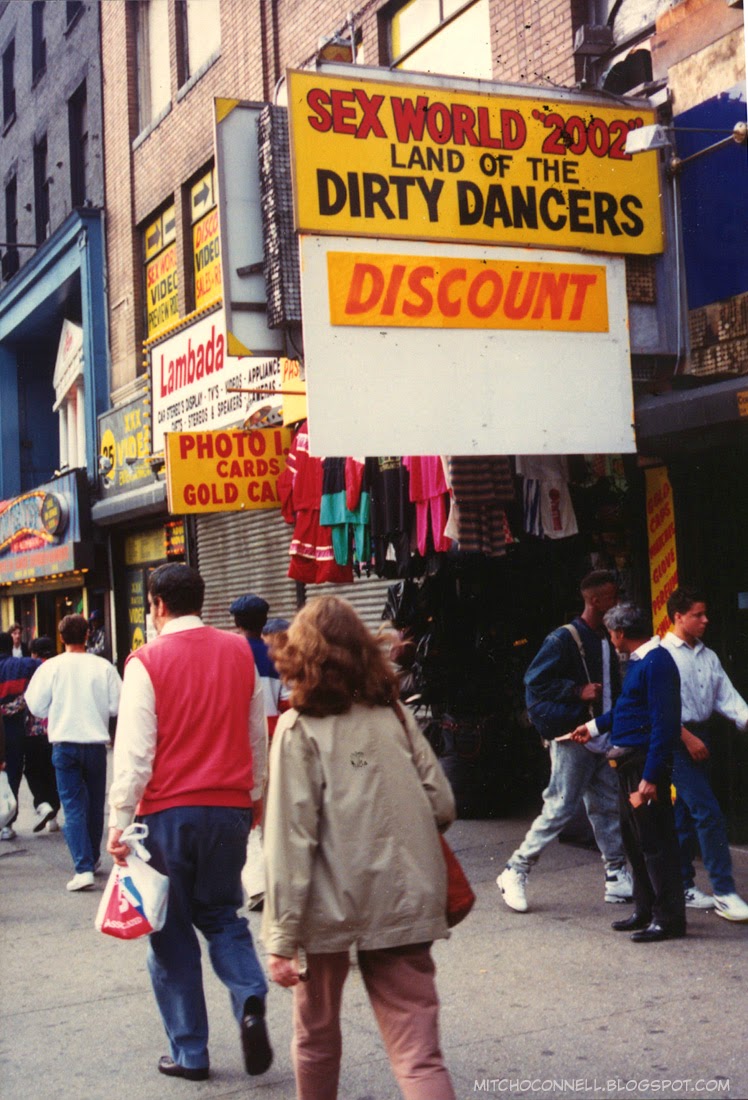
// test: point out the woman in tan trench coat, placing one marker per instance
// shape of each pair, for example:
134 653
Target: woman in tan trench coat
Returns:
354 805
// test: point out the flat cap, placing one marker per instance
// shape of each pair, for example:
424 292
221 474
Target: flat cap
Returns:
275 626
249 603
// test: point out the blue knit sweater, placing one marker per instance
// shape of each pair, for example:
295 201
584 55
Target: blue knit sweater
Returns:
647 712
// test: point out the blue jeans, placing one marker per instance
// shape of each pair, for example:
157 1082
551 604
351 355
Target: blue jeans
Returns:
577 775
202 849
699 822
81 784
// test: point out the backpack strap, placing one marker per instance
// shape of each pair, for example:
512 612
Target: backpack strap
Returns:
580 646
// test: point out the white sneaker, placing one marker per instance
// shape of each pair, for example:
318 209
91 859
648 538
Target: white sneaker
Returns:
697 899
44 814
8 833
511 882
731 907
84 880
619 886
53 826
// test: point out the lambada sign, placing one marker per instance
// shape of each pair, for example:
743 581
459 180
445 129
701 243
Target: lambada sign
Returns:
229 471
381 159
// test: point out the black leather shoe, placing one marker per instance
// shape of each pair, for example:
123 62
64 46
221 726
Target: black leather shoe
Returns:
655 932
631 924
258 1054
170 1068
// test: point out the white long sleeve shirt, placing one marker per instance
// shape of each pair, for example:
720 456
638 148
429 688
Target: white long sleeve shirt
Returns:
704 685
137 729
78 693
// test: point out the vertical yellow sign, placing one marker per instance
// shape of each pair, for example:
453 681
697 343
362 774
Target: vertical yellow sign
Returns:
663 559
161 275
206 243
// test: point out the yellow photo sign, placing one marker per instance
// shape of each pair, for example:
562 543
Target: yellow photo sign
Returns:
400 160
441 292
229 471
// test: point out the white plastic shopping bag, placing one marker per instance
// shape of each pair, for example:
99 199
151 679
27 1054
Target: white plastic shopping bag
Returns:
253 872
135 899
8 804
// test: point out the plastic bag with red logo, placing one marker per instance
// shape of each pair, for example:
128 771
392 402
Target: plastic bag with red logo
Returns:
136 896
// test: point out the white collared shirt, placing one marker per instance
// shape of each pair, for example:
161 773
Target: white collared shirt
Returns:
704 685
137 726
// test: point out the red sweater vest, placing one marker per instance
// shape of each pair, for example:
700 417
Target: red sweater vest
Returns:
203 681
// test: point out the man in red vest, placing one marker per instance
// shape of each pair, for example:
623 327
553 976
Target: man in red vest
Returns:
190 759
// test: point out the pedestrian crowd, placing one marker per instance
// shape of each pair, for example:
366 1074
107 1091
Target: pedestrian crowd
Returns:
287 740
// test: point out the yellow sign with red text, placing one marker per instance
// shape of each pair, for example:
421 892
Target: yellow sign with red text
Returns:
225 471
663 559
373 289
400 160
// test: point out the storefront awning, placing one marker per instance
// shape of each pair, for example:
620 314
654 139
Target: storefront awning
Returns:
694 418
144 501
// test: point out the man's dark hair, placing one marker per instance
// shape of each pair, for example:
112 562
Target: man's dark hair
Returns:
42 647
180 587
632 621
6 644
682 600
253 620
598 578
73 629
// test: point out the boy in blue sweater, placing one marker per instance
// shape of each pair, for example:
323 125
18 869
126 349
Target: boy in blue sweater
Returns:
644 727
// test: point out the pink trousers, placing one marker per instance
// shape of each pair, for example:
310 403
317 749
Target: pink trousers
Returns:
402 991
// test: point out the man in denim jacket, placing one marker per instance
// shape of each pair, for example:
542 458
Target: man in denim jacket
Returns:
565 686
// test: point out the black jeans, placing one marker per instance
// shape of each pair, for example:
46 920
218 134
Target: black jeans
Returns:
651 844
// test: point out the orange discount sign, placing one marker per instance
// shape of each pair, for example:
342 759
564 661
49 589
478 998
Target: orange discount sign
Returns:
373 289
228 471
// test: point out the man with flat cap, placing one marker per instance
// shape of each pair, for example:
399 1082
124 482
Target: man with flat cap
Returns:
250 616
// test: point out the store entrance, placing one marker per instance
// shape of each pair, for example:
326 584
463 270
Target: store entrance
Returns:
41 613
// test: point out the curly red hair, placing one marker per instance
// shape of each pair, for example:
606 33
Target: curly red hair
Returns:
330 660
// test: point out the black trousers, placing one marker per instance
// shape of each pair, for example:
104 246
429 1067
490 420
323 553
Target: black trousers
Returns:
40 772
651 844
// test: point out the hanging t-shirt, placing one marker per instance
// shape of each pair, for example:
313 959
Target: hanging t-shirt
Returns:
548 508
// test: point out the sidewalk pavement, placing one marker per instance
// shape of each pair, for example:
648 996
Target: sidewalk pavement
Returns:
550 1002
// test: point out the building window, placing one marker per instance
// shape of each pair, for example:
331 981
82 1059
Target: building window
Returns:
200 34
78 141
10 255
441 36
154 86
38 41
73 8
9 82
41 190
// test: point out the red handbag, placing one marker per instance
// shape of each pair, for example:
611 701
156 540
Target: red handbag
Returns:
460 896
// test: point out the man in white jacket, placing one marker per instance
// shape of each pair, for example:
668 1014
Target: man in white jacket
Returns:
78 692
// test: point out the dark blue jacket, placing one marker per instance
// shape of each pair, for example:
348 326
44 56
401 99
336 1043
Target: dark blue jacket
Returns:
647 713
556 673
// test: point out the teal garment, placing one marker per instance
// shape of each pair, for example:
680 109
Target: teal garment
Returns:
340 519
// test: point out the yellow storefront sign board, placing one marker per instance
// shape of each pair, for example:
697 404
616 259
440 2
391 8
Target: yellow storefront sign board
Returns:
293 387
229 471
206 246
385 159
162 290
446 292
663 559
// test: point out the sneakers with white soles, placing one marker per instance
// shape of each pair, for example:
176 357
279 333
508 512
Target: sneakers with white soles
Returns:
44 814
618 886
697 899
511 882
84 880
8 833
731 907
